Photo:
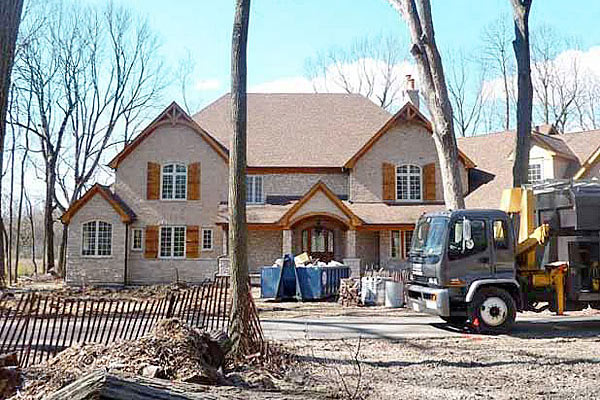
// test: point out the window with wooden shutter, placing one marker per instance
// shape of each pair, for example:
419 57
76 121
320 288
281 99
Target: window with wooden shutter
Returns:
389 185
153 181
192 242
429 178
151 243
193 181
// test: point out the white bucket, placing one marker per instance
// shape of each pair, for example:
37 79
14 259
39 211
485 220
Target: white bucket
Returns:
394 294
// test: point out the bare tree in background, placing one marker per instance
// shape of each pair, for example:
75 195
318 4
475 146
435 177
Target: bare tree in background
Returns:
587 109
417 14
90 71
239 327
184 76
556 85
496 51
10 19
466 87
521 10
371 67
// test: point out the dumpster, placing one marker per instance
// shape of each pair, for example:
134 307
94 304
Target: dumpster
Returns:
279 282
317 282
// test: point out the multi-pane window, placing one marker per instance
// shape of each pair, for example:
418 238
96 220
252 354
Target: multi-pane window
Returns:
137 239
97 239
254 189
207 239
535 173
172 241
174 182
401 242
408 182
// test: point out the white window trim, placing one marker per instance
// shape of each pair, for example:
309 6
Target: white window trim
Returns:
96 249
262 190
133 248
540 163
212 239
172 257
174 163
409 174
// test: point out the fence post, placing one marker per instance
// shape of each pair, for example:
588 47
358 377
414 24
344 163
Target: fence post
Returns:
171 305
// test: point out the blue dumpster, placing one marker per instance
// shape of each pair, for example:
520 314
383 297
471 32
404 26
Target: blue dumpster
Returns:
279 283
317 283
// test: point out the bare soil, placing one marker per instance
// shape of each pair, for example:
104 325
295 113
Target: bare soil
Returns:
468 367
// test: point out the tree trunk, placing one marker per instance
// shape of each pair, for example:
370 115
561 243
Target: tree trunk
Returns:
10 18
238 235
525 91
32 225
49 217
431 72
62 252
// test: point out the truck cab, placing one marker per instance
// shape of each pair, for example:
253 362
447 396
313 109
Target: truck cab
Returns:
463 268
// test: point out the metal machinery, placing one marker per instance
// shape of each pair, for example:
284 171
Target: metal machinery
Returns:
540 251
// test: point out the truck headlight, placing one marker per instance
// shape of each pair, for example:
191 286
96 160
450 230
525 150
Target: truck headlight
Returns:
432 281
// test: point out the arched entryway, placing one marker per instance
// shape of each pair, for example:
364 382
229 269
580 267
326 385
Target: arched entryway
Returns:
323 237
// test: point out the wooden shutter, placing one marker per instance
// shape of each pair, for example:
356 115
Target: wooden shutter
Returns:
151 243
429 178
192 241
153 181
193 183
388 172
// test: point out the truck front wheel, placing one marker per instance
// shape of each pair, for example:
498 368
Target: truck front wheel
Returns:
493 310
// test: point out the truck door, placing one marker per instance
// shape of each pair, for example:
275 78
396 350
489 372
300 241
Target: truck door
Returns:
469 261
503 260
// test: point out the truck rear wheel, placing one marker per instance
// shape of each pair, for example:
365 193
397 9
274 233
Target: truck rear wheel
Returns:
493 310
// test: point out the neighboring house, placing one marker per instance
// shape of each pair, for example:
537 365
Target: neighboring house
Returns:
330 174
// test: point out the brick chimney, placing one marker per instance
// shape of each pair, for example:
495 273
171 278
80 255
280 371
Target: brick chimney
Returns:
409 93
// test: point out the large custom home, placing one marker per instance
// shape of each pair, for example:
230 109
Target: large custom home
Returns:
330 174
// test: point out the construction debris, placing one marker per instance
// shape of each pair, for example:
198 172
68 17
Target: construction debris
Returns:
172 351
10 376
349 292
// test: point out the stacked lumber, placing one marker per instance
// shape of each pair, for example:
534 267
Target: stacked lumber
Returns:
349 292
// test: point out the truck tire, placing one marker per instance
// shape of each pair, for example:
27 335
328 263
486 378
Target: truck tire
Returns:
492 311
456 321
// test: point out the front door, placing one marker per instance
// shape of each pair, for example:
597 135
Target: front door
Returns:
318 243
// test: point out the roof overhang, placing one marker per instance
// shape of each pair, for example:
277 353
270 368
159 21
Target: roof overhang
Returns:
126 215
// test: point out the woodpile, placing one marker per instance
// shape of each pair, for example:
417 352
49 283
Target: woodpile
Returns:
349 292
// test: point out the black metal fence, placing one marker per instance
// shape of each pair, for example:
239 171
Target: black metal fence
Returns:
39 325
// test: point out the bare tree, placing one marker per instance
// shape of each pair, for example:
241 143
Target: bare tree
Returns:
91 71
10 19
466 87
431 72
184 75
556 84
521 10
371 67
238 233
496 51
586 103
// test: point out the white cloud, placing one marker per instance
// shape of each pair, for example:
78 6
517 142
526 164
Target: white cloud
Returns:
207 84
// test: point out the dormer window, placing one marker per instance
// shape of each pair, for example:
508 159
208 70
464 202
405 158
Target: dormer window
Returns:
174 182
408 183
535 173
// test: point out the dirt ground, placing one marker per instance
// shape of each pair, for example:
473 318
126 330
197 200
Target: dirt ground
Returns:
469 367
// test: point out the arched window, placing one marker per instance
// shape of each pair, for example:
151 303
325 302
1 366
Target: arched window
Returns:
96 239
174 182
408 182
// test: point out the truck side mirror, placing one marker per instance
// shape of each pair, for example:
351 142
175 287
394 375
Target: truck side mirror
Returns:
468 243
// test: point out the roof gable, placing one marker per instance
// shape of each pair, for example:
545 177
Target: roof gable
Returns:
172 115
408 113
126 214
319 188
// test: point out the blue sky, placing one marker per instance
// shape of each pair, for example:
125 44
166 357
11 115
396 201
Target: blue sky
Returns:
284 33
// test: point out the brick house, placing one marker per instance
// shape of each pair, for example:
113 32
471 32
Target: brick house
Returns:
330 174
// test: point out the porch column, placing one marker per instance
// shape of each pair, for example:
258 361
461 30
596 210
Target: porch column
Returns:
287 241
350 243
351 260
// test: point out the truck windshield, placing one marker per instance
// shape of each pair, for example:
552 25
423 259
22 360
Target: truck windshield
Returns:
429 236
